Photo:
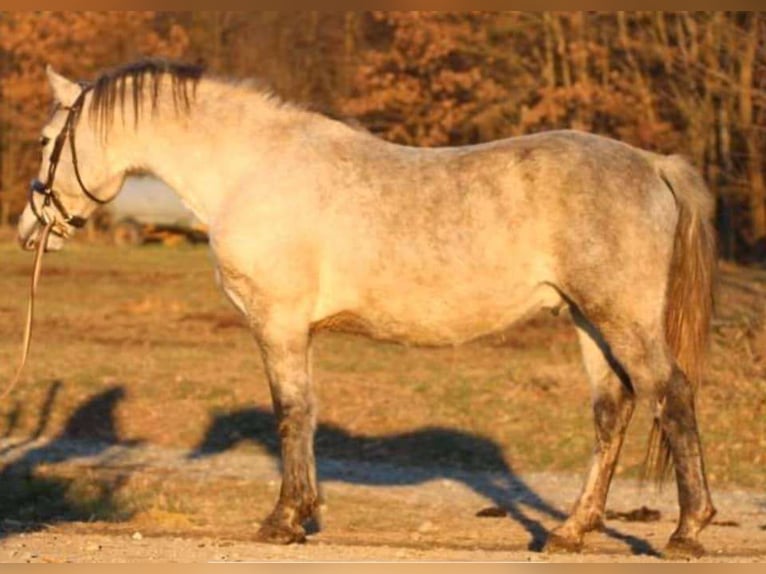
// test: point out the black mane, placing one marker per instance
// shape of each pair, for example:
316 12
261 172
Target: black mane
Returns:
139 80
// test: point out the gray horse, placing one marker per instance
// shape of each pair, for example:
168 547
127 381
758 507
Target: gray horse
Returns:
314 224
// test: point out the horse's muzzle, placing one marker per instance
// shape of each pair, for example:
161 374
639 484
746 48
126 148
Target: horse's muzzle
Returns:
29 232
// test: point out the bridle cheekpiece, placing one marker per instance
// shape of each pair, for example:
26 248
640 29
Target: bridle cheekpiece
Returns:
46 188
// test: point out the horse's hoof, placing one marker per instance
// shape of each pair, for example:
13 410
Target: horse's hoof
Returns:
683 549
557 544
280 533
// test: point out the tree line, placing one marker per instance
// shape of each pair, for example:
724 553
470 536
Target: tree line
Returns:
675 82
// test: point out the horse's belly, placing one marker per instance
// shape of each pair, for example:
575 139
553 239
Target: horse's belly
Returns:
437 321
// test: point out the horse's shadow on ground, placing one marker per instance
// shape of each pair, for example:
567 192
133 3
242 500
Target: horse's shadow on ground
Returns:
30 498
409 458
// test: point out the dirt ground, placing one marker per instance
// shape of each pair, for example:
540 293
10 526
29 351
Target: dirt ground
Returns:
370 512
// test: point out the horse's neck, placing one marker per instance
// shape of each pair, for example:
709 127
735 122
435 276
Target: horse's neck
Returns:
205 154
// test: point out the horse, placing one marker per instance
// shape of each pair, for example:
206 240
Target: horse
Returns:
315 224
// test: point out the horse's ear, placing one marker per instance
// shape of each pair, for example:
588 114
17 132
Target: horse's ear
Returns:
64 91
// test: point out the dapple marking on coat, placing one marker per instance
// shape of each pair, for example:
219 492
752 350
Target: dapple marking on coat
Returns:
312 221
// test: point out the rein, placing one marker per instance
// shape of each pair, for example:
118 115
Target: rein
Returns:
30 308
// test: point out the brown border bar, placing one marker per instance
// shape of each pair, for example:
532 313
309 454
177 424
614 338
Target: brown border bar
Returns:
530 5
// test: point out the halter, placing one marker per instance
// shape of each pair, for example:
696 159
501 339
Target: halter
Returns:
46 188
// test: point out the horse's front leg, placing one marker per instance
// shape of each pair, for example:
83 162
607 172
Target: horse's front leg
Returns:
285 347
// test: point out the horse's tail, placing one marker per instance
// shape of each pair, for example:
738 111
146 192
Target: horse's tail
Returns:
689 299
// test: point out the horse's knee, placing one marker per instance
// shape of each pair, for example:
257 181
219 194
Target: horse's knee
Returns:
296 417
612 412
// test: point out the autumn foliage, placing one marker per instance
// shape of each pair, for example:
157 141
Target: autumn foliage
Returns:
691 83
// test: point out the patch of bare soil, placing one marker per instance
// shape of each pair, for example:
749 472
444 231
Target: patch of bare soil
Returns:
206 507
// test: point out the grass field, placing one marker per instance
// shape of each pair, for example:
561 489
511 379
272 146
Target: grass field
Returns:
138 345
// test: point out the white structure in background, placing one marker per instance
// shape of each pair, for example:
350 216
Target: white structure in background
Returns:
147 209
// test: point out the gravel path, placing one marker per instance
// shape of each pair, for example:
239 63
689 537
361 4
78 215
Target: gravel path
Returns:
426 513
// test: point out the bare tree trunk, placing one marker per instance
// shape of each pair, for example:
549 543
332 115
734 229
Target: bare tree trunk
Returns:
582 114
561 49
4 215
757 195
8 179
549 69
349 49
644 88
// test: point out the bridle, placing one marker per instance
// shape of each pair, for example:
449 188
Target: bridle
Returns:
46 189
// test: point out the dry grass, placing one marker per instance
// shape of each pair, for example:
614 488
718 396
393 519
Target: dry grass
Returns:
139 345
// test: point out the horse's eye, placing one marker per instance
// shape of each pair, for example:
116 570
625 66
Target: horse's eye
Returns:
44 141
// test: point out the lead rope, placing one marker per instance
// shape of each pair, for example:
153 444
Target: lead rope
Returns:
30 308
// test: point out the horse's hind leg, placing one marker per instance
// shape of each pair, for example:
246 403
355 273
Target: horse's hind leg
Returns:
285 350
613 403
647 358
641 348
679 424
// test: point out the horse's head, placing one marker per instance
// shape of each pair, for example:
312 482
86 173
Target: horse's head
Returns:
74 176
